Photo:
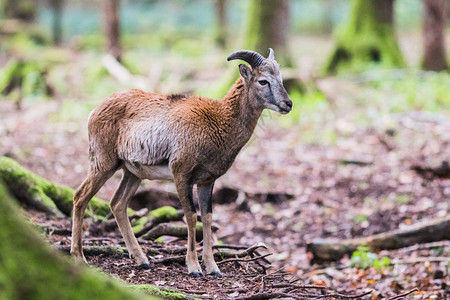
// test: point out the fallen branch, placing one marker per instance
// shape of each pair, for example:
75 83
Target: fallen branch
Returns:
403 295
423 232
429 172
121 74
268 295
344 295
296 286
96 250
416 260
243 259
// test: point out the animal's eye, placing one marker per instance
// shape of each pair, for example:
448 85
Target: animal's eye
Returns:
263 82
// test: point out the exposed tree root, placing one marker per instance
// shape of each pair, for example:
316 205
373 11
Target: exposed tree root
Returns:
176 230
40 193
155 217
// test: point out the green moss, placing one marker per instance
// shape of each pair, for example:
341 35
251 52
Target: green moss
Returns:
38 191
31 269
138 225
164 293
157 216
165 211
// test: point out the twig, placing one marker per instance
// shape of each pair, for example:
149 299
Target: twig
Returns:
243 259
420 260
424 246
403 295
345 296
227 246
263 296
297 286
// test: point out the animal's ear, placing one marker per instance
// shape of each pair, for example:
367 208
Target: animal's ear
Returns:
245 71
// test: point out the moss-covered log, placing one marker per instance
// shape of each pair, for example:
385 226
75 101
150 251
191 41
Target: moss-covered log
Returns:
424 232
31 269
367 37
157 216
42 194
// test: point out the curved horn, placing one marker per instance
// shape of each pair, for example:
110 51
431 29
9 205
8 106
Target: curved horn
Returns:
271 54
253 58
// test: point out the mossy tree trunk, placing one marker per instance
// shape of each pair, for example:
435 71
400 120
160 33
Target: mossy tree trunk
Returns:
433 35
367 37
112 27
31 269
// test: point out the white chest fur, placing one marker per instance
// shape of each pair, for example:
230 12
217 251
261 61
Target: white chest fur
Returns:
150 172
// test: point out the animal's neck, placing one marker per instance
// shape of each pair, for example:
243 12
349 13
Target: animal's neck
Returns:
241 111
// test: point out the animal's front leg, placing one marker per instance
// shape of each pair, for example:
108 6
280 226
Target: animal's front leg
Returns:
184 189
204 196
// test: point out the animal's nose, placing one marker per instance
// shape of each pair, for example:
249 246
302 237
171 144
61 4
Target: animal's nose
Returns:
289 104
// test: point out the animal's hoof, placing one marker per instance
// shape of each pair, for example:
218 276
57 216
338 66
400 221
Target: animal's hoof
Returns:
196 274
216 273
145 266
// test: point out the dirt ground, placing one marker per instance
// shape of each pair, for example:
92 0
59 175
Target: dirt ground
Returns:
362 184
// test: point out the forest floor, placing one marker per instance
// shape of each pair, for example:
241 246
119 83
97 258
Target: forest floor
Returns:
362 184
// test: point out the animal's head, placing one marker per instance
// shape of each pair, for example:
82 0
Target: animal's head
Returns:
263 80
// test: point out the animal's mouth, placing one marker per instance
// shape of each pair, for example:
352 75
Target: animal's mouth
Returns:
284 111
285 108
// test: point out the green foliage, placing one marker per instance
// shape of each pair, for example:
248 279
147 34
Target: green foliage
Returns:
28 76
414 90
364 259
360 218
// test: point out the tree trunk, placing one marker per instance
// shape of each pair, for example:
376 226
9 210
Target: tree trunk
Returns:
112 27
57 8
31 269
268 27
368 36
221 23
433 35
24 10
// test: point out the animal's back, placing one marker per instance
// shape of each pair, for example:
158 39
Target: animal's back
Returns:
124 126
144 128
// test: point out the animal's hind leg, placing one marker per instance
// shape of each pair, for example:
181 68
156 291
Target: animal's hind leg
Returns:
119 204
82 196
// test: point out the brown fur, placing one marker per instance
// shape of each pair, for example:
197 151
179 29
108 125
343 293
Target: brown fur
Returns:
192 139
